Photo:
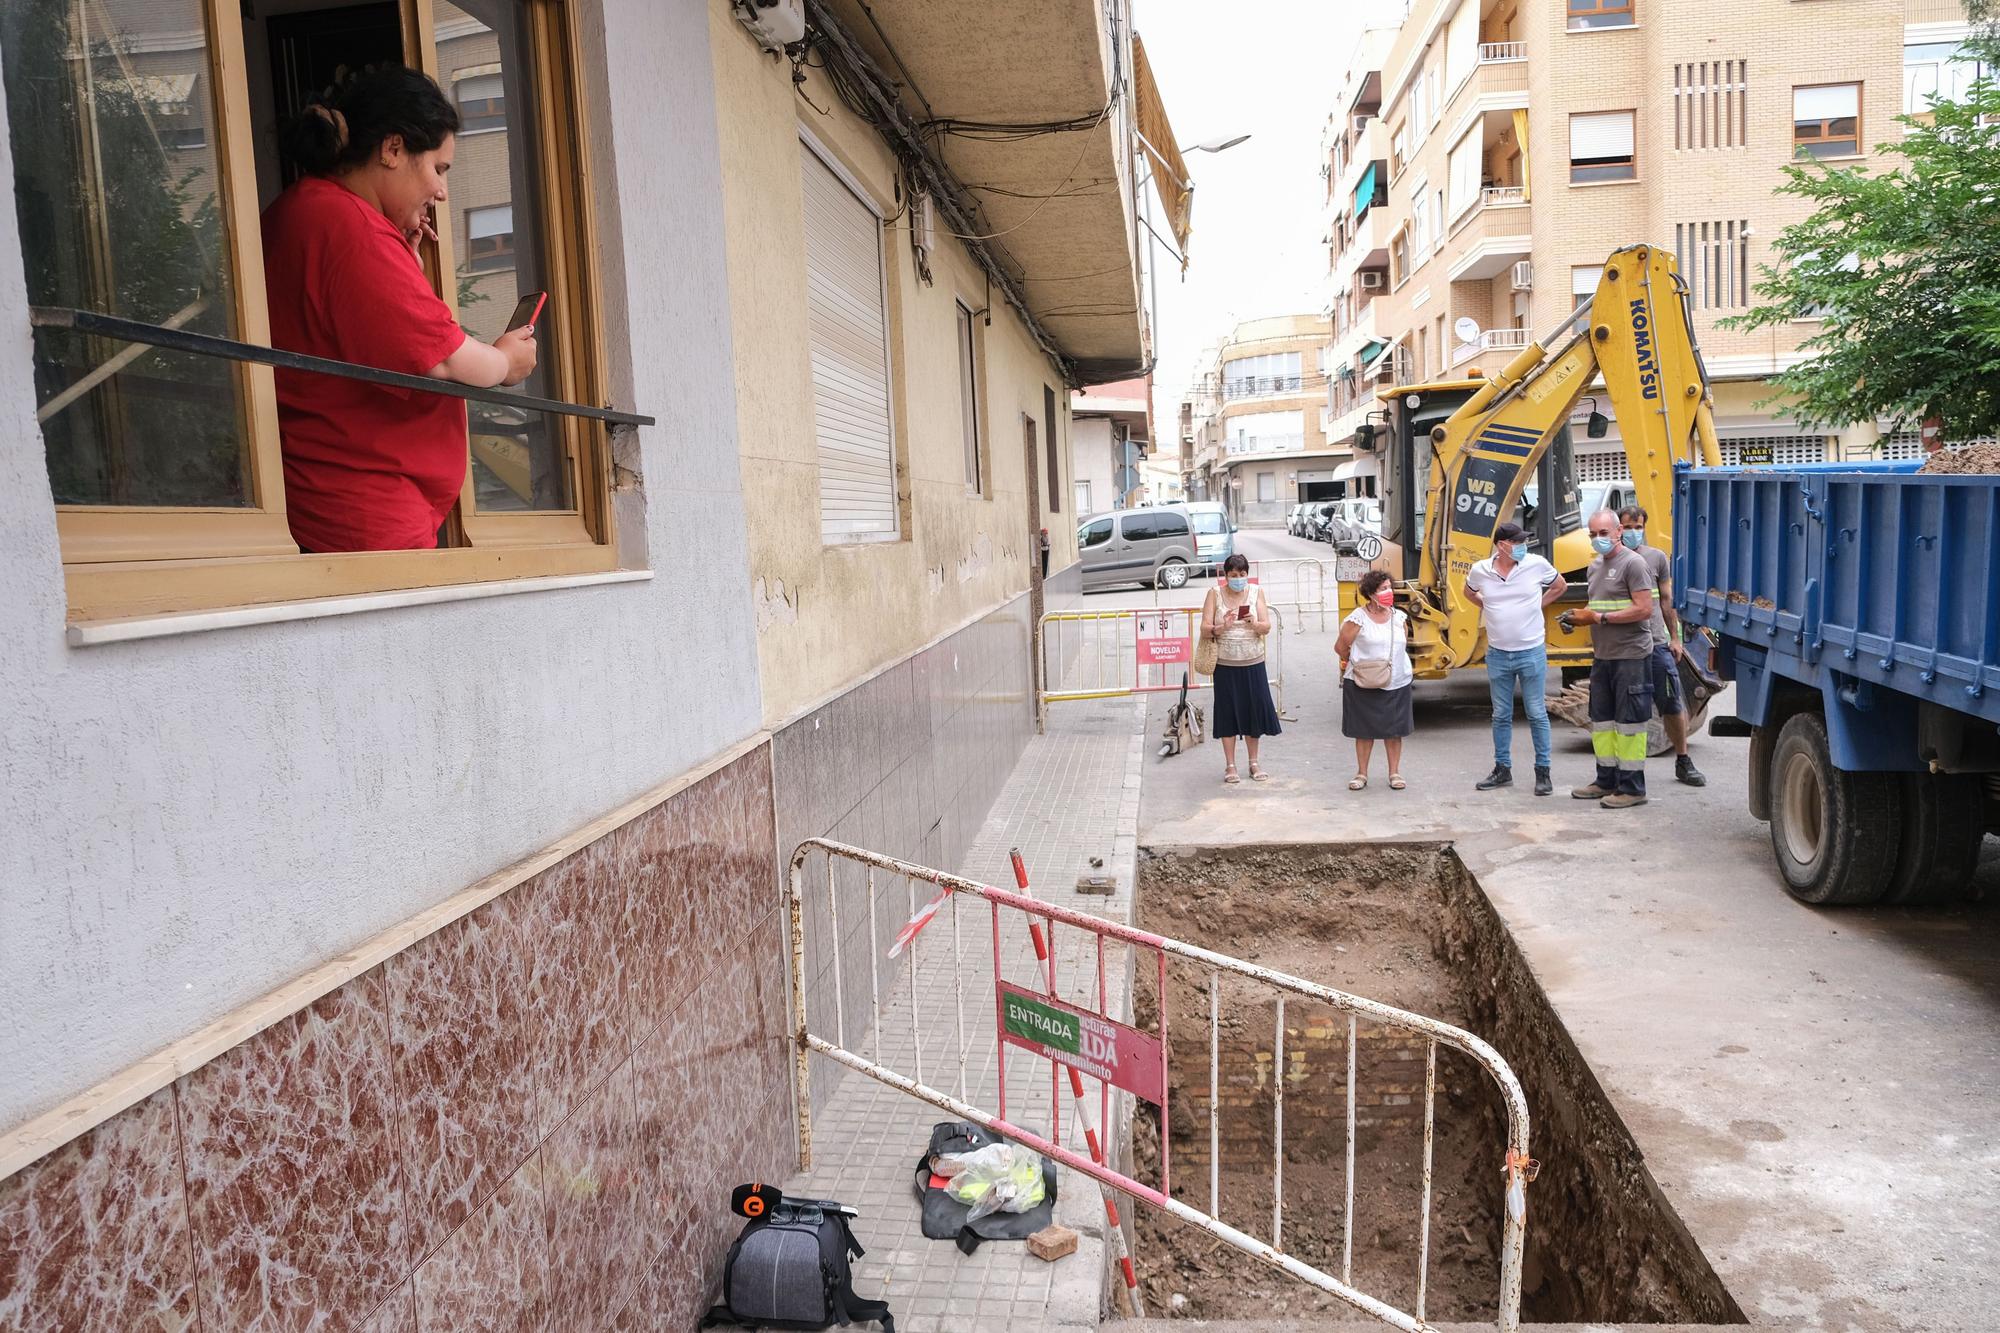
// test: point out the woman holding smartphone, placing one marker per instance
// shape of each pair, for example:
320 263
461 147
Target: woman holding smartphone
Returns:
1236 616
367 467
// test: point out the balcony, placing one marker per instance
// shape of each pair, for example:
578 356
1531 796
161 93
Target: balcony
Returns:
1261 386
1502 345
1490 237
1502 53
1367 247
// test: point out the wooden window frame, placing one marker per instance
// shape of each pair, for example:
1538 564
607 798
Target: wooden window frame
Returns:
1588 9
130 561
1860 105
1632 162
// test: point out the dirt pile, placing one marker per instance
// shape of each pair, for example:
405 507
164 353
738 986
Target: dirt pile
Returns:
1965 459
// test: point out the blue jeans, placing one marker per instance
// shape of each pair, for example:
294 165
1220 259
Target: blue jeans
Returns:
1527 668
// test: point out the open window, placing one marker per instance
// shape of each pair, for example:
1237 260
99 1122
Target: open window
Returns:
144 147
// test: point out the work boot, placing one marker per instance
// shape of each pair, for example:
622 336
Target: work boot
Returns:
1591 793
1544 784
1621 801
1501 776
1685 771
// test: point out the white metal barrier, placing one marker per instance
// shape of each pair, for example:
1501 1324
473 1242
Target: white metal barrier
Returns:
1093 1043
1134 650
1305 586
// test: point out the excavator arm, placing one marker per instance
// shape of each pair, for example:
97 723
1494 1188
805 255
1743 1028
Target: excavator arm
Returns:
1638 332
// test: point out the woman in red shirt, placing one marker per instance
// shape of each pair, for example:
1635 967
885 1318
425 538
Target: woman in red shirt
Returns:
370 468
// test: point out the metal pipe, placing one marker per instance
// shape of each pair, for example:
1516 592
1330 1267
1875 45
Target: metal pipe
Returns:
910 971
1347 1213
1214 1092
874 971
1424 1243
1278 1138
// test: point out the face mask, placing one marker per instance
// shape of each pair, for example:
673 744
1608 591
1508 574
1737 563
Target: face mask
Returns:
1515 550
1633 537
1386 597
1238 584
1602 545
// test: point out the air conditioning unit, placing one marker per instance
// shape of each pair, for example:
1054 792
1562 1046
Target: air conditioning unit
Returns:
1524 275
776 24
1373 280
1360 123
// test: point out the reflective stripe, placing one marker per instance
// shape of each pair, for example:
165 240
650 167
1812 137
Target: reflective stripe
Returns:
1604 743
1610 603
1628 747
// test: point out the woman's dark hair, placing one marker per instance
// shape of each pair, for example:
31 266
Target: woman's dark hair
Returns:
1236 564
1372 582
344 128
1510 532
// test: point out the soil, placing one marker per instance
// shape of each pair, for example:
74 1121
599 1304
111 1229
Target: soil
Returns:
1964 458
1407 925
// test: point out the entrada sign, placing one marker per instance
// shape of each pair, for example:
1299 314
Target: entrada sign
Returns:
1092 1044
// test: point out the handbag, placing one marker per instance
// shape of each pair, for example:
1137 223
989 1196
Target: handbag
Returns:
1370 673
1205 649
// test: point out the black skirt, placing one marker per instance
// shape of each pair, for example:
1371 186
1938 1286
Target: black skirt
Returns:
1375 715
1243 702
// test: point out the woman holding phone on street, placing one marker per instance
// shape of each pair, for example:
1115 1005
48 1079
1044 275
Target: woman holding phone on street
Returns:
368 467
1236 616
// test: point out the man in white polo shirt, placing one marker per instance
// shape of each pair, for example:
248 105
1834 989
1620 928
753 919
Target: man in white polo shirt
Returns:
1511 588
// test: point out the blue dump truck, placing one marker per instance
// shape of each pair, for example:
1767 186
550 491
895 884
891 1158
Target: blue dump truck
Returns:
1857 609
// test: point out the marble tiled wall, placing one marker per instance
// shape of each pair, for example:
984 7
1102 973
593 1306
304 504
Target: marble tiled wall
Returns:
529 1120
907 763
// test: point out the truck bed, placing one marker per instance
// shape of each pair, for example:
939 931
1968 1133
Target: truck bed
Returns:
1868 570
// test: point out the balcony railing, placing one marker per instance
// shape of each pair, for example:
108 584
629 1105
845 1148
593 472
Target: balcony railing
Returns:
1498 53
1501 196
1252 386
1493 340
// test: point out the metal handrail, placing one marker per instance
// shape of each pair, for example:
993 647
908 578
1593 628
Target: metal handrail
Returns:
228 349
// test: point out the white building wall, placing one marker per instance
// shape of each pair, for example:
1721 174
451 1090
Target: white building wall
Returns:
187 822
1090 450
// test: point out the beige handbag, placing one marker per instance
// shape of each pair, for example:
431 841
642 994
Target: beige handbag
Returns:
1370 673
1205 649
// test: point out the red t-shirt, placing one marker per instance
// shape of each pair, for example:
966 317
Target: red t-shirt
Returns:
367 468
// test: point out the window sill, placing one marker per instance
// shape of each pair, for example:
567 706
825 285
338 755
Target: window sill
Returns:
1602 28
89 633
1594 185
1837 157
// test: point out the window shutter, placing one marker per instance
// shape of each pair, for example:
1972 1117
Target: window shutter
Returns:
1833 102
850 361
1461 43
1465 162
1600 135
481 223
481 88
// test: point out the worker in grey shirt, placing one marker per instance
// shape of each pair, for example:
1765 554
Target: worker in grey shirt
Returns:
1667 647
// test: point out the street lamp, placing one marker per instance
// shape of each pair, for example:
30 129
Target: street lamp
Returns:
1216 145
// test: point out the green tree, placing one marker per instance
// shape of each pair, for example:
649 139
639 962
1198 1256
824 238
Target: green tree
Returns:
1902 267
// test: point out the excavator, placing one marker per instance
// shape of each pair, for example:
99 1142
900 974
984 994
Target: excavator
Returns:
1458 456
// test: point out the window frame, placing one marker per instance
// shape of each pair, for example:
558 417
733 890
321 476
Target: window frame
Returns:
1632 162
124 561
966 352
1585 9
1860 105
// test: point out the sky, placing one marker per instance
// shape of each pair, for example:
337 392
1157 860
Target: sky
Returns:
1271 71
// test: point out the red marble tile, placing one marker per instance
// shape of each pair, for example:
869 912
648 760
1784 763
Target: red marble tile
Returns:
465 1066
655 927
398 1314
95 1235
669 1298
492 1274
572 919
293 1179
591 1179
679 1155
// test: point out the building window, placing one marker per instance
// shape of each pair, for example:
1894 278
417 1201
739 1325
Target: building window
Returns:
489 238
1937 71
1583 281
482 102
1826 120
166 467
1083 505
1267 487
1399 257
1054 453
1399 151
1265 432
850 358
1711 104
1587 14
1420 222
1464 172
968 396
1601 147
1714 260
1273 372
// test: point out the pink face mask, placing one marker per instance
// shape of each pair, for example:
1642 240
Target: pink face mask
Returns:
1386 597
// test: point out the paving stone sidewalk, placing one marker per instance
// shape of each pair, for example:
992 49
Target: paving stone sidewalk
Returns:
1074 795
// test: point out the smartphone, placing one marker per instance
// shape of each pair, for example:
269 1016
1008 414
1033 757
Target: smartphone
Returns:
1243 612
528 311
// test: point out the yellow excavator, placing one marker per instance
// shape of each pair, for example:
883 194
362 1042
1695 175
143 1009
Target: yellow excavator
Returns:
1457 457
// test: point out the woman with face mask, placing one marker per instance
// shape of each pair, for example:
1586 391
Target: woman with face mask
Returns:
1375 679
370 468
1236 616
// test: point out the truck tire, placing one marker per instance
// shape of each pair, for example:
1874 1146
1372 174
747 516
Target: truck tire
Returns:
1944 823
1834 833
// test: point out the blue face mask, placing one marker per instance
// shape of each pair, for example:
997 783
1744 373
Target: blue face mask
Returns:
1633 537
1515 550
1238 583
1602 545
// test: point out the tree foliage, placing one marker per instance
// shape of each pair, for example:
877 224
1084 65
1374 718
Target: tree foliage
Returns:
1902 267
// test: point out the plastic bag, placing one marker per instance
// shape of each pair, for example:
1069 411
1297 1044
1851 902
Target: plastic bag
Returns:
997 1178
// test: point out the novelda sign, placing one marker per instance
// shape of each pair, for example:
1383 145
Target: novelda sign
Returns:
1162 639
1091 1043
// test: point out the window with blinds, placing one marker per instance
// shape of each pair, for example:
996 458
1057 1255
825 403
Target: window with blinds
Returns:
1464 167
1601 147
1826 120
1711 104
1714 259
848 322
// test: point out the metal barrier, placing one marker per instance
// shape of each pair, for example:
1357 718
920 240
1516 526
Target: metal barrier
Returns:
1093 1043
1302 585
1134 650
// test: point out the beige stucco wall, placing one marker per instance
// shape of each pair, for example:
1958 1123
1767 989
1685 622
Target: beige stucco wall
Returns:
827 615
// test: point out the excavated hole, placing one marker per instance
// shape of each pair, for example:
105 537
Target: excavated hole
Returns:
1408 925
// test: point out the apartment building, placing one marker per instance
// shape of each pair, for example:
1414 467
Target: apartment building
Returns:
1254 412
1485 155
1110 439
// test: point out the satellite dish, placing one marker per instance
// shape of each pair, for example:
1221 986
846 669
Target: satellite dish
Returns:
1467 329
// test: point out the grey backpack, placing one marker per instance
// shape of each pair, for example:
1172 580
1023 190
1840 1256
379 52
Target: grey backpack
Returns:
790 1269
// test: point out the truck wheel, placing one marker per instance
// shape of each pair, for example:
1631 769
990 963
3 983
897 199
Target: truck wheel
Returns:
1834 833
1944 823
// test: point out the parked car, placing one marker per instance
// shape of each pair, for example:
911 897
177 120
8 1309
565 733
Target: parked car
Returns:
1214 535
1143 546
1295 522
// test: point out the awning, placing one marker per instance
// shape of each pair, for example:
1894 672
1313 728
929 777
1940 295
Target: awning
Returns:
1370 362
1372 350
1170 172
1364 193
1360 467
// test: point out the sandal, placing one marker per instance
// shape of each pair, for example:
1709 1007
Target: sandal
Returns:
1396 782
1258 775
1229 777
1360 781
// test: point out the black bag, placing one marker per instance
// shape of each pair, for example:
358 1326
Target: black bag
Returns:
944 1216
789 1269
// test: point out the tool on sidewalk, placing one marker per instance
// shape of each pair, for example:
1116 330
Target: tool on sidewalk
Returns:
1046 955
1185 724
790 1266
